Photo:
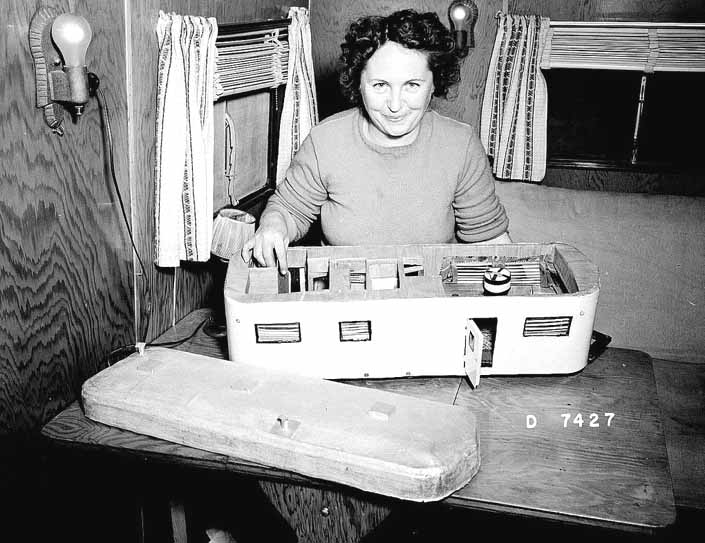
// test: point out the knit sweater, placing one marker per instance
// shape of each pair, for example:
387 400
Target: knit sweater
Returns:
438 189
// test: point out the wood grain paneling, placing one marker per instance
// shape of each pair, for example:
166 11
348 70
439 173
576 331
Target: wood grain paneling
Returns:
66 268
65 264
325 515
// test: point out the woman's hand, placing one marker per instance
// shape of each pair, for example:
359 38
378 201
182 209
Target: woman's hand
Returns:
269 245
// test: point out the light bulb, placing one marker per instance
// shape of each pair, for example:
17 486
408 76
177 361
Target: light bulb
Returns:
462 15
72 34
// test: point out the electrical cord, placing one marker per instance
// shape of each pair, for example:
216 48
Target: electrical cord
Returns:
126 350
182 340
121 352
109 135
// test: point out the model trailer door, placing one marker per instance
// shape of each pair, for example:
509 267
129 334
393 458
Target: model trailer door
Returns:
473 352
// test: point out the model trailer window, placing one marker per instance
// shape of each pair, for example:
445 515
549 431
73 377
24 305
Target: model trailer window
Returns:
355 330
288 332
547 326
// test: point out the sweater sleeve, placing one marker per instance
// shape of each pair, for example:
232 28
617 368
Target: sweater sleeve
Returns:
479 215
302 193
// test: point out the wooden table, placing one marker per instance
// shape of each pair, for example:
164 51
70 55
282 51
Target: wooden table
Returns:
586 449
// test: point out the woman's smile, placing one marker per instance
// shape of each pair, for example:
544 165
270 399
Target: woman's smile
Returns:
396 87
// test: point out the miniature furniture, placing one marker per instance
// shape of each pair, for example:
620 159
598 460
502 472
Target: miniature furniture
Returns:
538 459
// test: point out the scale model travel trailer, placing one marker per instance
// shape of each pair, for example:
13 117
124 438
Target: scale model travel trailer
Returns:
415 310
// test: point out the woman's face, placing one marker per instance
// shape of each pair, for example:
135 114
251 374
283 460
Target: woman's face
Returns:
396 86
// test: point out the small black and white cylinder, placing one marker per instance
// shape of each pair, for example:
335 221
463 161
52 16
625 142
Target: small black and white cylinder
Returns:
496 281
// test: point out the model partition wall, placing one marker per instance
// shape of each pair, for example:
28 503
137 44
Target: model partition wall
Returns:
534 271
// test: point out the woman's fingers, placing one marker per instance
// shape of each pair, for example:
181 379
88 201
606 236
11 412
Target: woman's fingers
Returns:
268 246
268 249
247 248
257 254
280 246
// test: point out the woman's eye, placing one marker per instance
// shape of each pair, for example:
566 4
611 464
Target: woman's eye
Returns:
413 85
378 85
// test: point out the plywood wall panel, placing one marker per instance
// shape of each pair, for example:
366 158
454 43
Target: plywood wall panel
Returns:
66 270
65 265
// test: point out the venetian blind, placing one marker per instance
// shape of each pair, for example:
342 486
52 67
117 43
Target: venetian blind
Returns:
252 57
648 47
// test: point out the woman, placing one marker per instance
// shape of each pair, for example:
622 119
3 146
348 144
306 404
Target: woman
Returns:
388 170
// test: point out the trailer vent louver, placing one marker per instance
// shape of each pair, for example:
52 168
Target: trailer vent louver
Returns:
289 332
547 326
355 331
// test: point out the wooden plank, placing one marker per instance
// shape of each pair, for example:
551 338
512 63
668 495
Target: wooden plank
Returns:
263 281
178 520
383 273
65 257
615 474
318 269
681 389
373 440
325 515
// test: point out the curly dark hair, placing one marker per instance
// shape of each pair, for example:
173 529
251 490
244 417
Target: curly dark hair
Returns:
421 31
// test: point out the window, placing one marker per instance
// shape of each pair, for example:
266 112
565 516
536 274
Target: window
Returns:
625 94
252 69
625 119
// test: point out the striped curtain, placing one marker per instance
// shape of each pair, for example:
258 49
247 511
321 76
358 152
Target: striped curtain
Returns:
299 111
514 107
184 147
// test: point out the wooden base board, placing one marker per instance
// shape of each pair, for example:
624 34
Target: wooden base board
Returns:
373 440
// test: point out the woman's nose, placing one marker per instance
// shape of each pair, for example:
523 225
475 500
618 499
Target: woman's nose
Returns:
394 102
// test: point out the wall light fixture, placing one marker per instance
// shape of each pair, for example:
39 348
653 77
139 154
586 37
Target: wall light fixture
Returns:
463 15
59 43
